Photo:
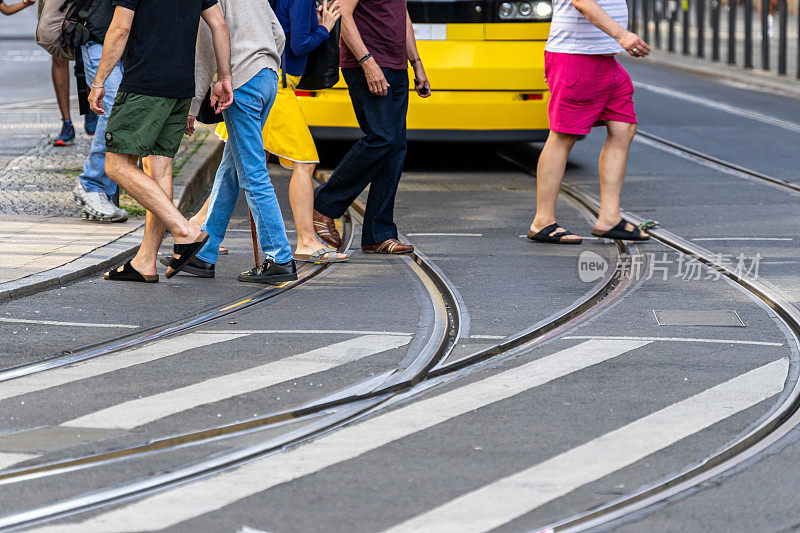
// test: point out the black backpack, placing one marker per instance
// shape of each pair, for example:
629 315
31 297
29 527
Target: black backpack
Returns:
86 20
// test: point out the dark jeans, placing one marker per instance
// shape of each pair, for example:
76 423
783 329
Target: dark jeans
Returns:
375 160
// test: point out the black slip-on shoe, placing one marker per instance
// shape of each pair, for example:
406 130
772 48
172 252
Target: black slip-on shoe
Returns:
270 272
196 267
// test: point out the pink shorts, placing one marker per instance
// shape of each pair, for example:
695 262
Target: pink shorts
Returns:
586 91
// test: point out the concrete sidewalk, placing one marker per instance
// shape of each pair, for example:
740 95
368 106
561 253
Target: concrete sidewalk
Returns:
43 241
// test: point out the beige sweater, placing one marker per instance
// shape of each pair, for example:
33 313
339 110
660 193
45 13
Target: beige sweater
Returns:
257 42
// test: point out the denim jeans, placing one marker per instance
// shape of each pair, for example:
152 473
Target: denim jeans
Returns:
244 166
93 178
375 160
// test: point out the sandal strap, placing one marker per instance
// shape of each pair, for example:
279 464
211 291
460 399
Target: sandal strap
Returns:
548 230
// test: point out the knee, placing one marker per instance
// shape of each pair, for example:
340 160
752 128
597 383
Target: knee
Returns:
114 165
622 133
387 144
563 140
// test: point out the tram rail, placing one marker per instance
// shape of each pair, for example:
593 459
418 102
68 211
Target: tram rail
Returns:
783 418
429 369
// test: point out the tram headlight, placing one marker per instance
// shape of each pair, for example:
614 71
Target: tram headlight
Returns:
507 10
521 11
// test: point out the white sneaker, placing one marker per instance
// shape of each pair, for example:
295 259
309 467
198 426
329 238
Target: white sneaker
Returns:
97 206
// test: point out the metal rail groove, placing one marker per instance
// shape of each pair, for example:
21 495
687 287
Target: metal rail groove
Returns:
784 418
169 329
426 372
719 164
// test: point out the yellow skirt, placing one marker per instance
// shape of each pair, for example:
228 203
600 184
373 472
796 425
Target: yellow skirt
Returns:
286 132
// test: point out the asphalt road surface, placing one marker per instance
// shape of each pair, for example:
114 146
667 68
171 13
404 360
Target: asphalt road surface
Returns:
610 403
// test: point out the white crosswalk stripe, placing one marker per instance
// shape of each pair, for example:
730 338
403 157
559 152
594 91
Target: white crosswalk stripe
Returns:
134 413
8 459
191 500
99 366
111 363
500 502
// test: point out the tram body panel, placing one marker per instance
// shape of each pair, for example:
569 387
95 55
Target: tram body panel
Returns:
487 79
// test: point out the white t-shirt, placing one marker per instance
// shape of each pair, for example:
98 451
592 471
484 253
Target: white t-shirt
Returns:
572 33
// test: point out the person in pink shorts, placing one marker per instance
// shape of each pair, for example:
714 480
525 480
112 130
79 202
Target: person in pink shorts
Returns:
588 88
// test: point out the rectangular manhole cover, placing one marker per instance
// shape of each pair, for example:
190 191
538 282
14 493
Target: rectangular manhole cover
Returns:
684 317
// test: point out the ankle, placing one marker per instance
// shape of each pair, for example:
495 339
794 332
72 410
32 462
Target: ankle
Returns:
543 222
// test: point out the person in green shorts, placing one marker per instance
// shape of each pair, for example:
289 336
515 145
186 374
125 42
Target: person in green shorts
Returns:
150 112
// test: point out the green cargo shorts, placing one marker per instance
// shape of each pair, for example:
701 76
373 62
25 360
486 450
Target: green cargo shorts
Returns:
146 125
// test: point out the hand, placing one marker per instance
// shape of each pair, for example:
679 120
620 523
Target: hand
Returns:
375 78
190 125
222 95
328 13
27 3
96 100
634 45
421 83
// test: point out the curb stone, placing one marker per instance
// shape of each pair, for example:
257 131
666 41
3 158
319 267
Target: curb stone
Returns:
189 186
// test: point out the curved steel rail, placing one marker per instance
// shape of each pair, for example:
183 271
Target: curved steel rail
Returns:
784 418
169 329
428 369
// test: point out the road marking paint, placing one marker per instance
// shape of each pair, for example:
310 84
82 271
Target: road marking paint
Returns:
134 413
444 234
194 499
504 500
673 339
104 365
754 115
743 239
8 459
72 324
311 332
490 337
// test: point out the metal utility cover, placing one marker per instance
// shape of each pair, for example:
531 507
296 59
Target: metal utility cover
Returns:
685 317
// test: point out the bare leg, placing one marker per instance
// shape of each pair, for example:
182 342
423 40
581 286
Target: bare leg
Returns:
199 218
160 170
613 163
60 73
301 197
549 174
123 170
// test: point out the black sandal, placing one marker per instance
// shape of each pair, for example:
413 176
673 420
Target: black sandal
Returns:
544 235
620 233
184 252
128 273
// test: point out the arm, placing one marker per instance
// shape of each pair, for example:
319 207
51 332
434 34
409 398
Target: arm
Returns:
6 9
421 83
113 48
222 94
352 39
204 69
595 14
303 41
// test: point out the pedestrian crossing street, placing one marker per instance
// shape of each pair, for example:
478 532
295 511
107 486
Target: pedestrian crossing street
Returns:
482 509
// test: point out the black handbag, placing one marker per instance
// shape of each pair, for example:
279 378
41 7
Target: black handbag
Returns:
207 115
322 67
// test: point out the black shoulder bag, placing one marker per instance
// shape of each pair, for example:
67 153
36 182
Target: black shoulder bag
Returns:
322 68
207 115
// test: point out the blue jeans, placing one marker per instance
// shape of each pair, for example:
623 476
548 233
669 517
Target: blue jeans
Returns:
375 160
244 166
93 178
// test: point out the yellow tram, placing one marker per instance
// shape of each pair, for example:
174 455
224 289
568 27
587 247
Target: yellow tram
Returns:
485 61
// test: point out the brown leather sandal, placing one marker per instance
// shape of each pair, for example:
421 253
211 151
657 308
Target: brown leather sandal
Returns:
325 228
389 246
